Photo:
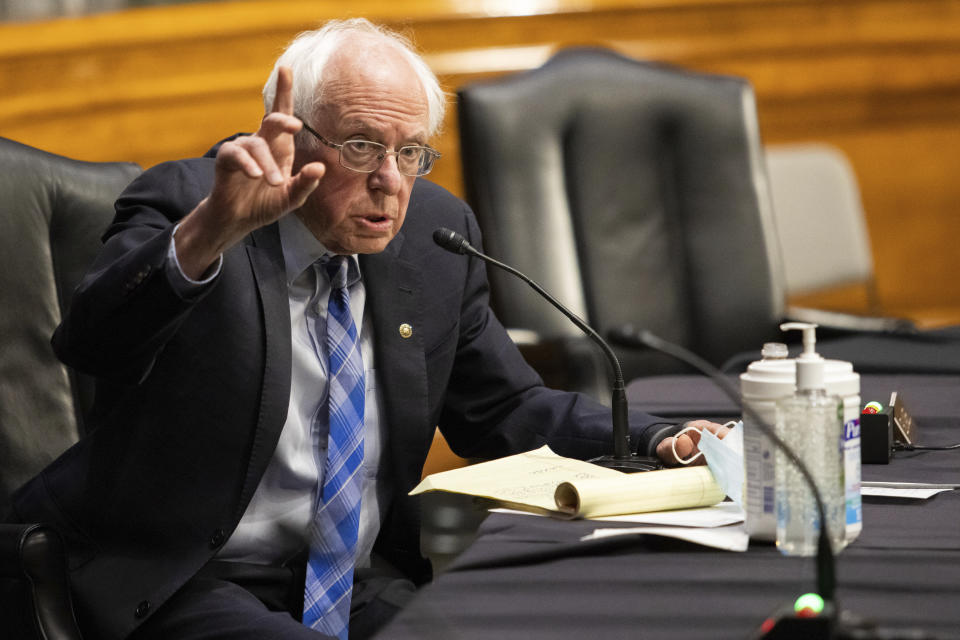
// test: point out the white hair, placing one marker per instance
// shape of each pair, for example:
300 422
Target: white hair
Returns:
307 56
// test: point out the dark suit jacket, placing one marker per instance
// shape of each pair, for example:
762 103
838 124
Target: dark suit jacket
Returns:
192 393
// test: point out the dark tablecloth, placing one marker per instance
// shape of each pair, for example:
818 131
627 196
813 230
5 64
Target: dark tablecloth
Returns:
529 578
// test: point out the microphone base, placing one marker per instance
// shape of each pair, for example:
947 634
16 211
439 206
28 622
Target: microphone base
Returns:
786 625
831 624
628 464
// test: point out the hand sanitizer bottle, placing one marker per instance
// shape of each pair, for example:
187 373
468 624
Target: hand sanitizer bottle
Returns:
810 422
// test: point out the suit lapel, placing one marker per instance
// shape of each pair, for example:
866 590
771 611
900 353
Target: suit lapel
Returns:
266 261
394 289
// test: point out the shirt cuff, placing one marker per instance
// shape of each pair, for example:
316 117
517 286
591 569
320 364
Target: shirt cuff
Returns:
183 284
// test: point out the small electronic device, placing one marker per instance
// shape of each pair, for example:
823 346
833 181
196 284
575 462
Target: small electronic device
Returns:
882 427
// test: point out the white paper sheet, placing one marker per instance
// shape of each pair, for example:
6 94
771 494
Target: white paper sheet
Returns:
729 538
905 490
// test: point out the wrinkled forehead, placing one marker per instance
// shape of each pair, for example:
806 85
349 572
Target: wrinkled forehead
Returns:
371 75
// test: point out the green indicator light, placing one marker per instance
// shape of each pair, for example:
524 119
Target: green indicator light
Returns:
809 601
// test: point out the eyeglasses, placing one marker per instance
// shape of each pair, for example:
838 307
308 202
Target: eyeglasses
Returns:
365 156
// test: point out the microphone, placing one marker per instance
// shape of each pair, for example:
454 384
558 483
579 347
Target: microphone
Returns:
623 458
808 618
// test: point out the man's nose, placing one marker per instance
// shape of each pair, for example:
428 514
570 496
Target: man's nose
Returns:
387 177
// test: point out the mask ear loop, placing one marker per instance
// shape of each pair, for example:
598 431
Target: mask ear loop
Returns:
673 447
673 443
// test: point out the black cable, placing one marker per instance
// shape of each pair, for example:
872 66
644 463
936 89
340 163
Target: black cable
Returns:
903 446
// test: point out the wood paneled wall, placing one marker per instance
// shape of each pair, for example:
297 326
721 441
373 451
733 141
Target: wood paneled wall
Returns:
878 78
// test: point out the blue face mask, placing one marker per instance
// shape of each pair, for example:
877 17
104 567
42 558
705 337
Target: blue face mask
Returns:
725 459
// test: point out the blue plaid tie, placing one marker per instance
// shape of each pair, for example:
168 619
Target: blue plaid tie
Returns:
333 535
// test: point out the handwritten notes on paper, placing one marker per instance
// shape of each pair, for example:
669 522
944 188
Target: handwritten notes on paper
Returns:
543 482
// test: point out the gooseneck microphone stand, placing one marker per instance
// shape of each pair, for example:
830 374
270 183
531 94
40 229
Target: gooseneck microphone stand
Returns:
623 458
787 624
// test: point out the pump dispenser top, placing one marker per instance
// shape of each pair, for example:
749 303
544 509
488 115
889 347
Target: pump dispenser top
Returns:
810 364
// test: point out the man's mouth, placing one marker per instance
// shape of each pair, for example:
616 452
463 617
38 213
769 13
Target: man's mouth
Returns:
376 221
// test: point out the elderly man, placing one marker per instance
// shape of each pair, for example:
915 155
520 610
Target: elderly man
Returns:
275 337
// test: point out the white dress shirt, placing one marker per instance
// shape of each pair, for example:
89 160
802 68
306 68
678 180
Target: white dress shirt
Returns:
275 525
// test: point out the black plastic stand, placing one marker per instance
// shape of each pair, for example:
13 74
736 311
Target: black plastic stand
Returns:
629 464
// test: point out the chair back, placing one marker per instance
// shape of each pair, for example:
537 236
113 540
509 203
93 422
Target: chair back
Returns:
52 212
819 217
634 192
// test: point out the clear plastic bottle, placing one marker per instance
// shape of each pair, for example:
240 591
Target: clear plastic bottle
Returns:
810 422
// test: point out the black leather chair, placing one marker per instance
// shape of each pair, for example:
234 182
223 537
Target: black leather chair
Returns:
634 192
637 194
52 212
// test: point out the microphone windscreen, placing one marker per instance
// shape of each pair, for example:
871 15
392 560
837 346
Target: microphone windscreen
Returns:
450 240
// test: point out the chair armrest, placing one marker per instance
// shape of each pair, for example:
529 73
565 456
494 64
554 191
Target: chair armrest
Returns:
838 322
35 555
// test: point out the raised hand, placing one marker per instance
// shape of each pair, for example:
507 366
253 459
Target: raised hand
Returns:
253 186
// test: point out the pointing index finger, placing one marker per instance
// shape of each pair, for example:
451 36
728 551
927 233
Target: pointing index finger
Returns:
283 98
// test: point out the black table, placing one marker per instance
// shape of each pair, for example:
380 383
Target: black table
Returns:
528 578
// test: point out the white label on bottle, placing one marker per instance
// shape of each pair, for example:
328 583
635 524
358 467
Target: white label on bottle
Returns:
760 476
